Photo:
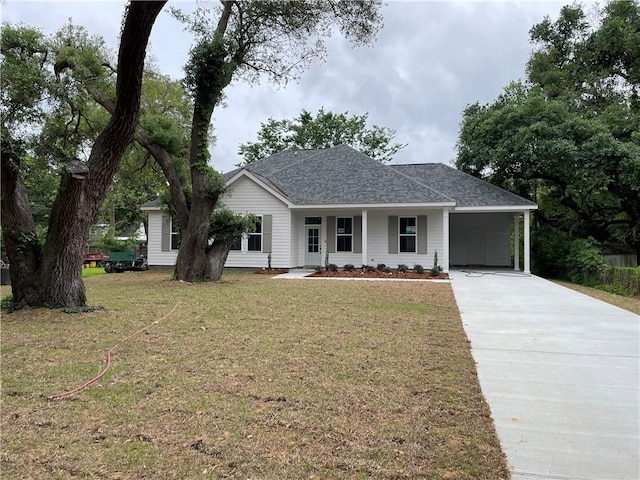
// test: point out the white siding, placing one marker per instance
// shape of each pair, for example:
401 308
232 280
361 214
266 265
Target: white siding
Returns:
155 256
480 239
246 196
378 235
378 245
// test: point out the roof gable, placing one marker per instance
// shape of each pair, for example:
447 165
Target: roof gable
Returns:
339 176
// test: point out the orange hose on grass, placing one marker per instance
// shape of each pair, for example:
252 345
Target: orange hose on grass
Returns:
109 352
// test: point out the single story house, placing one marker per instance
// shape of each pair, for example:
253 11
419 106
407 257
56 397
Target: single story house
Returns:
340 204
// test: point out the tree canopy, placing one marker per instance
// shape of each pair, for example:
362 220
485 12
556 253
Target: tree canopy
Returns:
569 136
325 130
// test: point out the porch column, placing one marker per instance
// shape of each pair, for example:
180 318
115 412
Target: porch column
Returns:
516 242
444 261
365 231
527 246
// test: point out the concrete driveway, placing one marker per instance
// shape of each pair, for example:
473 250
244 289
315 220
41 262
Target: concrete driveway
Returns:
560 371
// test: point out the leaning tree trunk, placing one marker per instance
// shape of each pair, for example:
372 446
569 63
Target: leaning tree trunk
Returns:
84 188
19 231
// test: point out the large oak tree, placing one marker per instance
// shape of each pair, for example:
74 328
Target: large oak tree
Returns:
245 40
569 136
50 274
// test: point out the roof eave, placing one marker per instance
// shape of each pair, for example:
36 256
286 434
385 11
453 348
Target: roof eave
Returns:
495 208
373 205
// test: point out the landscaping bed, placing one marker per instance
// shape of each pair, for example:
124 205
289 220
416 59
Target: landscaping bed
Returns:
381 271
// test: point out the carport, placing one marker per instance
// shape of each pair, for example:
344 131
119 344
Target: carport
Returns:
490 237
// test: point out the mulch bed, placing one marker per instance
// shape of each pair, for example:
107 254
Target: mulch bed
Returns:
271 271
379 274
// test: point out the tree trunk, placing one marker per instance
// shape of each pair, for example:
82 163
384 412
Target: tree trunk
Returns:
192 263
217 257
19 231
82 193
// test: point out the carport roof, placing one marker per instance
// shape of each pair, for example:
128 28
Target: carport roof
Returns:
467 190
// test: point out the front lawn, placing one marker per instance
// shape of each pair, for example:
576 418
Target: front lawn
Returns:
249 378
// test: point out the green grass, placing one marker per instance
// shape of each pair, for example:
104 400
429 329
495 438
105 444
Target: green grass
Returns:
248 378
90 272
625 302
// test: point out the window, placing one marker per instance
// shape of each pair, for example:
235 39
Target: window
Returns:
175 236
344 234
408 234
255 239
313 220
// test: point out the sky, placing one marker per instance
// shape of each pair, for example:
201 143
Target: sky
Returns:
430 60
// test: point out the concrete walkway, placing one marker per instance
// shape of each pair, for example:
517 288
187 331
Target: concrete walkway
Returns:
560 371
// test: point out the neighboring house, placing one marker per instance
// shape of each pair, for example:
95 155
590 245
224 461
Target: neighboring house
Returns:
339 202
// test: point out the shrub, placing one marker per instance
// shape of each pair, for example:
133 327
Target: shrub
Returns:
386 269
369 268
381 266
349 267
319 269
435 270
402 268
7 304
332 267
584 261
418 268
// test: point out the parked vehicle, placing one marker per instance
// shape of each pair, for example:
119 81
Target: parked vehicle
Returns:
93 259
119 262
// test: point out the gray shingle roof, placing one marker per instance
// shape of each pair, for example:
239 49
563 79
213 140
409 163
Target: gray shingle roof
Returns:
339 175
467 190
342 176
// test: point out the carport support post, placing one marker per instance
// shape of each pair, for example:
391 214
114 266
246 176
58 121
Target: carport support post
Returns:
444 260
527 241
516 242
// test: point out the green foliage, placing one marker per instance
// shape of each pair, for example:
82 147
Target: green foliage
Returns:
381 266
49 86
324 130
402 268
208 72
332 267
417 268
369 268
584 260
568 137
620 280
109 243
318 269
227 226
387 269
7 304
349 267
435 269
